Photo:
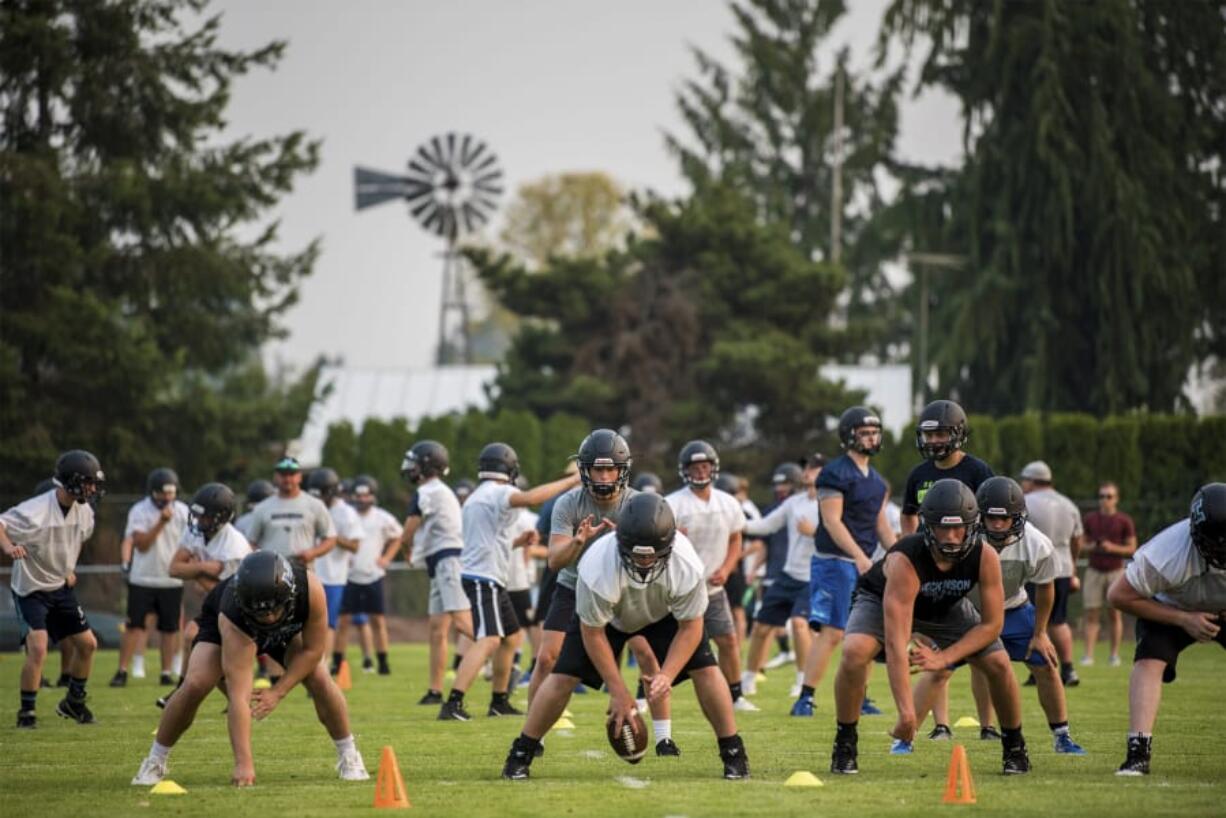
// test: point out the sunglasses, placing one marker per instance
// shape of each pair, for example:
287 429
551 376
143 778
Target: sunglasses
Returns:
1106 496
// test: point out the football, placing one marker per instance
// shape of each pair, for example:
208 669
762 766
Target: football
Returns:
630 743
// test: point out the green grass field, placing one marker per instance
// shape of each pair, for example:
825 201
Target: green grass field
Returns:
453 768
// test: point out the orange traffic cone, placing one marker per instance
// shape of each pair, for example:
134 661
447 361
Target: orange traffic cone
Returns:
343 680
389 786
959 779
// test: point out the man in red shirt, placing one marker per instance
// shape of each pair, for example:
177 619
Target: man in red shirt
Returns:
1110 536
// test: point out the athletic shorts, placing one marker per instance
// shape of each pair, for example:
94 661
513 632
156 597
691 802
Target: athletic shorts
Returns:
446 591
521 601
573 659
544 596
1059 610
362 598
56 612
735 588
1156 640
718 619
334 594
1017 633
832 582
493 614
561 609
786 598
868 618
167 603
1094 587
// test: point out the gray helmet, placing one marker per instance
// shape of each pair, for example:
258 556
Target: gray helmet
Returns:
646 527
858 417
324 483
949 503
697 451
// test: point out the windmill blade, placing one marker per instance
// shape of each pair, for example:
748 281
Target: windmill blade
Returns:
432 220
372 187
489 190
420 171
472 217
417 211
451 150
415 191
490 177
489 160
464 145
483 204
437 144
424 155
475 154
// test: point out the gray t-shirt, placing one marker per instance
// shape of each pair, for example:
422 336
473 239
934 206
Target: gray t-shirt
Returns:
51 538
151 568
488 519
571 509
290 526
1057 517
607 595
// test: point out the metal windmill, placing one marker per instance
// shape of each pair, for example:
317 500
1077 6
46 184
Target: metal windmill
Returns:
451 187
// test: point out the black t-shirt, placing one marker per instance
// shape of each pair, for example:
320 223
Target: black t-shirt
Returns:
971 470
280 635
939 590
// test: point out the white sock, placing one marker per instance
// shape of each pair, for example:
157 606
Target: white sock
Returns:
748 678
800 677
662 729
159 752
176 666
344 745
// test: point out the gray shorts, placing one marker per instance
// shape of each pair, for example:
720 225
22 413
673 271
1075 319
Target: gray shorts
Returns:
868 617
718 618
446 592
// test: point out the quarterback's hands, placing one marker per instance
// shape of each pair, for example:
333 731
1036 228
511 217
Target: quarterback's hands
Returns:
264 702
621 708
589 529
1202 627
243 775
1041 644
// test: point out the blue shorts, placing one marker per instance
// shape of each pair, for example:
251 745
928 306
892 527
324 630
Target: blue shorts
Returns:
831 585
334 593
786 598
360 619
1017 632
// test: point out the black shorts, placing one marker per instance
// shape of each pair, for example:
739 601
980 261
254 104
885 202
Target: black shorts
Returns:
521 601
1156 640
573 659
367 599
493 614
167 603
544 596
209 628
1059 610
735 588
561 609
56 612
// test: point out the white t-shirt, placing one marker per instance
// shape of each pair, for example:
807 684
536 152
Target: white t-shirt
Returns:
707 523
378 526
519 571
333 568
289 526
51 538
151 568
228 547
488 519
1030 560
1170 568
440 514
606 594
790 512
1057 517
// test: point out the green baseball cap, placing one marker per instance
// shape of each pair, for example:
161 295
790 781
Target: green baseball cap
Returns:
287 464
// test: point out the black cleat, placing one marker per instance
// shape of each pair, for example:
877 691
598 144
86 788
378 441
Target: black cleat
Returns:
385 670
503 707
1016 761
843 760
989 733
1137 762
1071 679
517 766
431 698
44 682
120 679
26 720
453 711
941 733
166 679
77 711
736 763
1030 682
162 700
667 747
368 665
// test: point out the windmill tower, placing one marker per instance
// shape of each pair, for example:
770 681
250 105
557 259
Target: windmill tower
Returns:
452 187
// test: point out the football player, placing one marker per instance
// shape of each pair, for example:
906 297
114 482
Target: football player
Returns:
364 593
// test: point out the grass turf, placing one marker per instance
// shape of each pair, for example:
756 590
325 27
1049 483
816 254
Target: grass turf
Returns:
453 768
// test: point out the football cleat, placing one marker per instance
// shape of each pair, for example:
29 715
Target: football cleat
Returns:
901 747
1016 762
77 711
667 747
431 698
803 706
868 708
151 772
350 767
26 719
503 708
745 705
1137 762
120 679
453 711
989 733
736 764
1064 744
941 733
843 759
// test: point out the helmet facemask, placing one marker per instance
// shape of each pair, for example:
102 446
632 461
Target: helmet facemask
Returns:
939 451
641 575
604 490
1000 540
952 552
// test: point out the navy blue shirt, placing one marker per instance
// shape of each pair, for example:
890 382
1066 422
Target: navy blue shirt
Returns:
776 546
863 495
970 470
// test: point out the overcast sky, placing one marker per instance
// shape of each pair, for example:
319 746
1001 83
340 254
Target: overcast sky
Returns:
550 86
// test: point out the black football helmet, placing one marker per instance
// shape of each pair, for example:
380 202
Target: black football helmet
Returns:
788 474
604 447
45 485
728 482
941 415
857 417
324 483
425 459
258 491
162 481
1002 497
697 451
463 488
365 491
648 481
646 527
265 585
498 461
212 507
1207 523
80 474
949 503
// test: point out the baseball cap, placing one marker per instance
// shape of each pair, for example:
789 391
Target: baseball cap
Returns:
287 464
1038 471
816 460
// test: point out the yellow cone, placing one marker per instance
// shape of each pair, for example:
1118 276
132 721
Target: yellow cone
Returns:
167 787
566 714
803 778
262 684
761 677
966 721
563 724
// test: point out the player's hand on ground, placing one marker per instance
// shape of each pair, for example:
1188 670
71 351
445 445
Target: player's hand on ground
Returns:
621 708
264 702
243 775
1041 644
1202 627
905 727
925 655
659 686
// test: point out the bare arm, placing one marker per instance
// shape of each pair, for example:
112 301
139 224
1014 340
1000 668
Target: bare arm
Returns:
183 566
909 523
348 545
539 494
832 519
10 550
411 524
564 549
1044 601
389 552
1200 626
142 541
237 658
311 554
885 531
898 608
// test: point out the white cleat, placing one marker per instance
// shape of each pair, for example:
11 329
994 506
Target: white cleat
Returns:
351 767
151 772
745 705
781 659
138 666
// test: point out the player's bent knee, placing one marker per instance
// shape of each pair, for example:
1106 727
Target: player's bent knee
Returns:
859 650
86 642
